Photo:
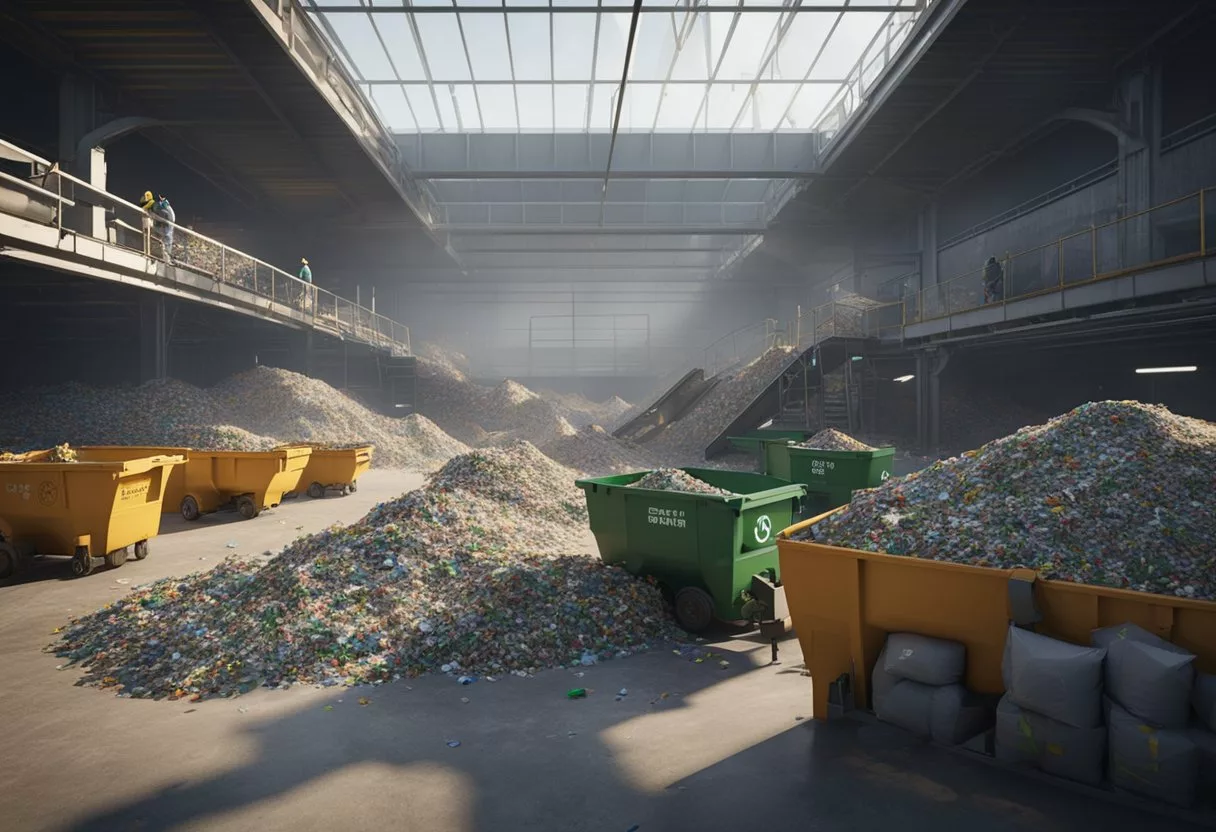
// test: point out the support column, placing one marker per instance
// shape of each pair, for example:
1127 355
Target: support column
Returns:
301 353
153 340
928 245
929 366
1139 107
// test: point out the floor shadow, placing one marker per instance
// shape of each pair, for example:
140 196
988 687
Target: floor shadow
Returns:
543 766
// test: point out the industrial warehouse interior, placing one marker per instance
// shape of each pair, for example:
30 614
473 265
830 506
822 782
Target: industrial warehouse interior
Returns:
623 415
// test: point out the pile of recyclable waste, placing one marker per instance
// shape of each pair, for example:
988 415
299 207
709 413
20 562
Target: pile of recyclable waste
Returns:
831 439
469 575
687 437
580 411
595 452
253 411
1117 494
673 479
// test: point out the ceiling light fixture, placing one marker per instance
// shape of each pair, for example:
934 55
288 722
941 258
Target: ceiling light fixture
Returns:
1149 370
902 379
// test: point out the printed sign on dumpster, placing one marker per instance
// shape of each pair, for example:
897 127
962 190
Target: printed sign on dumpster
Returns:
672 517
820 467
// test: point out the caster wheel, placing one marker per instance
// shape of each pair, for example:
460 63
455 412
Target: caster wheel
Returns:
353 487
291 495
316 491
141 550
117 558
247 508
190 508
82 563
694 609
345 490
10 562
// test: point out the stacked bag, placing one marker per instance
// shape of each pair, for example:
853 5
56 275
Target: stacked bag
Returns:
1155 750
917 685
1121 707
1051 714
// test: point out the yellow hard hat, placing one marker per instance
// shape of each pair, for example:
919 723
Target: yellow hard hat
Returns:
147 196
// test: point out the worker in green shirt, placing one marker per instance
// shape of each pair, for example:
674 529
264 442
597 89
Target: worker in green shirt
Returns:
305 275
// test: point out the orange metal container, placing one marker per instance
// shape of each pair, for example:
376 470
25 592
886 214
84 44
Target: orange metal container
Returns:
255 480
335 468
96 506
844 602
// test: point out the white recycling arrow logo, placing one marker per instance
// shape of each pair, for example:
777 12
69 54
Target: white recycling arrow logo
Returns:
764 528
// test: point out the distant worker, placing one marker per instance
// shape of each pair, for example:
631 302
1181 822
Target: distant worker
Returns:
994 281
162 215
305 275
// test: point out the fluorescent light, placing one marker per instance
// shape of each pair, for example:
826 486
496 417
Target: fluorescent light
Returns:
1147 370
902 379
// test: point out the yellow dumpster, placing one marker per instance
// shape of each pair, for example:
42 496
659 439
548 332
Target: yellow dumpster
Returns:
844 602
95 507
335 469
210 480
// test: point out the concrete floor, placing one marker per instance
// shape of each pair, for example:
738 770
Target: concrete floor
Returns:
691 747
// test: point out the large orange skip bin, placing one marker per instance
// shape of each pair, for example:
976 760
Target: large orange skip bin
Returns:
844 602
253 480
335 468
95 507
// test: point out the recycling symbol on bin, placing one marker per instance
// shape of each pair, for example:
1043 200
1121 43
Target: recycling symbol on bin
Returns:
48 492
886 475
763 528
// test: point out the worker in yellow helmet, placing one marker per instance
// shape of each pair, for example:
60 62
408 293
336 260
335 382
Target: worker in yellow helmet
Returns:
161 215
305 276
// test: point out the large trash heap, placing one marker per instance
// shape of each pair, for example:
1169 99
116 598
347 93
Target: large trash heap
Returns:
1118 494
252 411
468 575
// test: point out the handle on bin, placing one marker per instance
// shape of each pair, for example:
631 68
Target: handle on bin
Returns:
1023 608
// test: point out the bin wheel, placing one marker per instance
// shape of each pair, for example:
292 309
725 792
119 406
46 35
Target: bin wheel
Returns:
82 562
141 550
190 508
10 561
116 558
694 609
247 508
291 495
353 487
316 491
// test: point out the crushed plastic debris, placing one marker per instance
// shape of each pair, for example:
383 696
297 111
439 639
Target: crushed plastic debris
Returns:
253 411
62 453
673 479
481 560
687 437
576 693
831 439
453 743
595 452
1111 493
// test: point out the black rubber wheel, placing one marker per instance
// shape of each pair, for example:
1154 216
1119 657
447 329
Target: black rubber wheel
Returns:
291 495
10 561
141 550
354 486
345 490
247 508
190 508
116 558
316 491
82 562
694 609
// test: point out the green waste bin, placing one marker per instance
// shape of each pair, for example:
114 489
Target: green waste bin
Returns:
768 445
834 475
705 549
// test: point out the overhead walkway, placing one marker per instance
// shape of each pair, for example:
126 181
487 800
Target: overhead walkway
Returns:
56 221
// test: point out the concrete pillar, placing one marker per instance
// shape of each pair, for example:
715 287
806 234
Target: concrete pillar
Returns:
929 366
1140 114
153 339
301 353
927 231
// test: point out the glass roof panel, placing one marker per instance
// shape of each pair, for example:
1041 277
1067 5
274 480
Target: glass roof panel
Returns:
530 53
441 44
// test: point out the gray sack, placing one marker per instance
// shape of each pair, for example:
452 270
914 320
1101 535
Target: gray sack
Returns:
1205 741
1203 698
946 714
1147 675
1152 684
1054 678
1026 738
1162 763
931 661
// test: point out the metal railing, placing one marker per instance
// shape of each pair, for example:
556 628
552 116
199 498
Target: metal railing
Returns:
742 346
1179 230
59 200
845 320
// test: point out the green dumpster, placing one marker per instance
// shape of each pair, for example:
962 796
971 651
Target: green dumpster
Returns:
768 444
835 475
717 555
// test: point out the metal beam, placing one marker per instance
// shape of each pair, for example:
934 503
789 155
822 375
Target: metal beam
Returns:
739 228
862 8
703 155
